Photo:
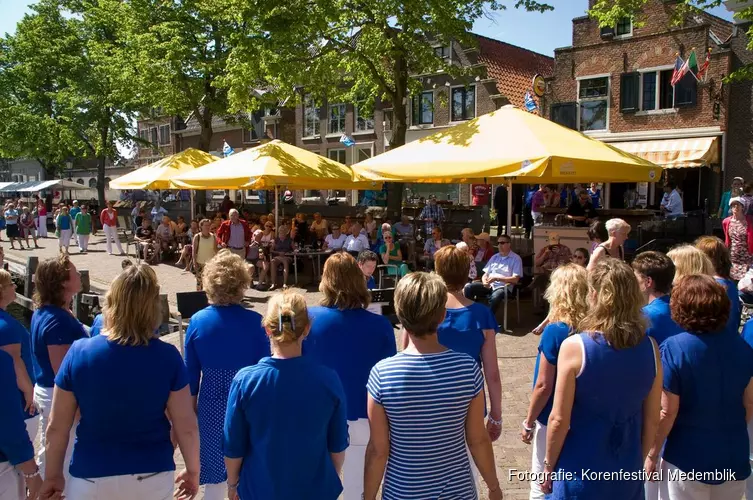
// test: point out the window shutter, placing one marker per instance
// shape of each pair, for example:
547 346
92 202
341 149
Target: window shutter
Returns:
629 85
565 114
607 32
686 91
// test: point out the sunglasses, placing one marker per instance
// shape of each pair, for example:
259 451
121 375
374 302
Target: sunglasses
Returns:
503 242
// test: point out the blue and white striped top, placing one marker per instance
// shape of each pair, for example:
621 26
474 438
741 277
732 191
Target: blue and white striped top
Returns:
426 398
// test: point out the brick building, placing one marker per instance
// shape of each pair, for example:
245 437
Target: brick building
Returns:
502 73
614 85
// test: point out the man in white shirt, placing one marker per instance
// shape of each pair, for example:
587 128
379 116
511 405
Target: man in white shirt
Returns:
356 242
501 273
671 204
336 240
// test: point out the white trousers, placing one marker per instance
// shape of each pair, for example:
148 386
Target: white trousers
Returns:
538 452
64 240
83 242
32 428
43 400
696 490
111 234
42 226
129 487
215 491
355 459
11 483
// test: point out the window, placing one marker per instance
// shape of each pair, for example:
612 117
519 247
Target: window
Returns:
593 100
336 119
80 181
273 111
256 130
92 183
686 91
310 118
423 108
154 139
629 90
144 134
14 178
164 134
389 118
337 155
565 114
624 27
443 52
107 182
249 135
364 118
463 103
363 153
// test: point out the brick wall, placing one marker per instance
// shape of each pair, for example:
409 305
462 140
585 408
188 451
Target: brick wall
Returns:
146 154
739 161
233 137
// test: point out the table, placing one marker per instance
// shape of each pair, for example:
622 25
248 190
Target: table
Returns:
296 254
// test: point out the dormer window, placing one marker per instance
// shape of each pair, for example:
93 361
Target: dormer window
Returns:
443 52
624 27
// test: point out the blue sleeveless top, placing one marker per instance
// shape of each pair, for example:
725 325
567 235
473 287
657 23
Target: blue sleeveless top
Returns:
606 422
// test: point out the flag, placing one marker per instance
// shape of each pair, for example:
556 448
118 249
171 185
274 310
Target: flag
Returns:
692 63
347 141
705 66
529 102
226 149
678 72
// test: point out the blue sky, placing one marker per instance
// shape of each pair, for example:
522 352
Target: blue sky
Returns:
539 32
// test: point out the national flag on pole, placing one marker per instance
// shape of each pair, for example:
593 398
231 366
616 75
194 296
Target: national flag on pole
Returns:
226 149
689 66
347 141
678 72
702 71
529 102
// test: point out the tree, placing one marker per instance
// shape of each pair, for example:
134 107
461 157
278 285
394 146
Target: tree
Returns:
608 12
347 50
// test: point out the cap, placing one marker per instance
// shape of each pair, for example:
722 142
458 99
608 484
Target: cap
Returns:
736 199
483 236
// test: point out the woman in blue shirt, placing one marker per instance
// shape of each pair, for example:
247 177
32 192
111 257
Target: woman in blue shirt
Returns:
53 330
426 409
64 225
17 465
707 398
221 339
567 295
350 340
129 387
607 396
718 253
287 409
469 327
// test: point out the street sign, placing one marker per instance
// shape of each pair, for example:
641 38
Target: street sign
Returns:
539 85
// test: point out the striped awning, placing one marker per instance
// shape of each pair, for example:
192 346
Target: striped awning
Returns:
676 153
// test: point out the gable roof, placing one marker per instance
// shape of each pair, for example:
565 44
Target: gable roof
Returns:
720 30
513 67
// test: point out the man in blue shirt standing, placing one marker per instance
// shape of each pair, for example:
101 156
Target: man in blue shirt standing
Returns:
501 274
655 272
74 211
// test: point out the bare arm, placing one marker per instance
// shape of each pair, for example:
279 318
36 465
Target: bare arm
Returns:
595 258
568 367
652 408
195 247
64 408
56 354
386 256
22 375
180 408
748 401
479 442
491 373
377 451
338 459
542 390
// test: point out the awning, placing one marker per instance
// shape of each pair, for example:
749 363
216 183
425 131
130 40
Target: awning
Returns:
36 186
675 153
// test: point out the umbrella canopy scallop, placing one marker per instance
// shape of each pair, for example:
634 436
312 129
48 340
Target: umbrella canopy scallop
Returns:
158 175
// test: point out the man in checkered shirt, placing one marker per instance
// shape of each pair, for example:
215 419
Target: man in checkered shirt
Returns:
432 215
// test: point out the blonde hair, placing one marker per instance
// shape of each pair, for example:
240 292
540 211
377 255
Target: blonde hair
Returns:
225 278
616 306
132 309
287 318
343 284
420 300
690 261
567 295
6 278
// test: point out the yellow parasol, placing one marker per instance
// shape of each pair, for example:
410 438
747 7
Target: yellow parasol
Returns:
159 174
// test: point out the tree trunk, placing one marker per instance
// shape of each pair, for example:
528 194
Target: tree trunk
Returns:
101 162
205 141
399 130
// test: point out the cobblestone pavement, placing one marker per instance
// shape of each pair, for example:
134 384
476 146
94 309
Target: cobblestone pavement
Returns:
516 351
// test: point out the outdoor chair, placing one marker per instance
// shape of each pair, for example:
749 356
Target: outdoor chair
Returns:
384 272
189 303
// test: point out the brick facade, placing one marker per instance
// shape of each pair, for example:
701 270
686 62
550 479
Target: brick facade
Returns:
739 154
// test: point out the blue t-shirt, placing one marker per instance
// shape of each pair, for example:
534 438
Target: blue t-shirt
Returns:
122 393
64 222
97 325
661 326
350 342
747 333
13 332
221 340
371 283
15 446
552 337
709 372
11 213
463 329
286 411
735 310
51 325
73 212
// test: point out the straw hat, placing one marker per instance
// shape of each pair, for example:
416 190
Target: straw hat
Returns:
483 236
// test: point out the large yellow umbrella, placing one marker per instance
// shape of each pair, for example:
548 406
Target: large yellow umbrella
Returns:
159 174
507 143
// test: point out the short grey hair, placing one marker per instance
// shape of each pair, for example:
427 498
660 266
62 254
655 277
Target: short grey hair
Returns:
615 225
386 227
462 245
232 211
420 300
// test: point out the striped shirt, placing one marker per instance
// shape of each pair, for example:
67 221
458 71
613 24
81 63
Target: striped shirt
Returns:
426 398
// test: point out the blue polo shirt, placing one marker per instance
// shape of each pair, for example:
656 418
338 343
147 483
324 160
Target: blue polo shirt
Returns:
709 372
552 338
13 332
463 329
15 446
97 324
505 266
736 309
286 411
51 325
661 325
350 342
123 427
74 212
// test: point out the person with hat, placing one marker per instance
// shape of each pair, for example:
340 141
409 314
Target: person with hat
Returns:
738 236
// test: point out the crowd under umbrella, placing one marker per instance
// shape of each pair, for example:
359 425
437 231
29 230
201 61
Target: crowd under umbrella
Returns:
507 145
273 165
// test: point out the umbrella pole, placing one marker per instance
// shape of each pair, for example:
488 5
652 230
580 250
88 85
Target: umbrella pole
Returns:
509 208
193 207
277 207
